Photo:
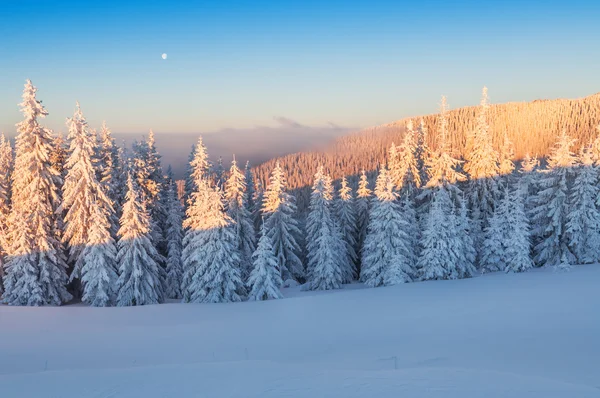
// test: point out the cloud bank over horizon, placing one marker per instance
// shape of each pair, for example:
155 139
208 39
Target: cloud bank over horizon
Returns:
254 144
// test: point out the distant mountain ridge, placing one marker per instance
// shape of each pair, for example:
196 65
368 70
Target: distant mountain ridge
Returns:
531 126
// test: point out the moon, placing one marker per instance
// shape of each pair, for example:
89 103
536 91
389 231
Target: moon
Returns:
164 56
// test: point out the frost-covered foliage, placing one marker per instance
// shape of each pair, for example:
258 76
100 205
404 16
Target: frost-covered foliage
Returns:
387 255
441 241
210 257
139 280
236 205
404 163
174 230
198 168
250 190
552 206
363 201
108 171
467 252
422 153
482 167
6 158
265 279
345 215
219 174
99 261
497 237
81 191
35 272
506 156
327 256
583 220
442 167
279 209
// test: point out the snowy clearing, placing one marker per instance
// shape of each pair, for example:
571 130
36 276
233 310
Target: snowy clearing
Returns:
518 335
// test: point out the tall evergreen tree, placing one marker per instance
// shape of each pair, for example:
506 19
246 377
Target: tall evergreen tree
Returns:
552 206
422 153
107 172
6 158
326 248
250 189
583 219
236 198
518 258
387 256
345 213
440 240
506 156
220 175
99 261
81 191
281 226
139 280
363 201
35 271
174 230
408 176
265 279
210 257
497 236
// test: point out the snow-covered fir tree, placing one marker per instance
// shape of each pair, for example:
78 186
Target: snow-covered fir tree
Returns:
210 256
497 236
81 191
327 255
552 206
198 168
278 210
220 175
139 280
259 195
506 156
408 176
265 279
387 255
174 231
99 261
518 251
6 158
58 156
236 198
440 240
482 167
35 272
345 213
107 172
467 252
422 153
583 219
363 206
250 189
441 166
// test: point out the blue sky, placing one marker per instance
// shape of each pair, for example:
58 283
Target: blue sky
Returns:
239 64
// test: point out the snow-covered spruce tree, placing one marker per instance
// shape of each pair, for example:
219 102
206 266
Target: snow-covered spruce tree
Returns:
99 261
235 199
35 271
58 156
219 174
139 280
550 215
345 213
422 153
497 236
408 176
505 157
393 166
174 230
6 158
387 255
198 168
363 205
210 257
327 255
583 219
467 251
81 191
518 251
441 166
250 189
265 279
278 210
257 215
439 240
107 170
482 167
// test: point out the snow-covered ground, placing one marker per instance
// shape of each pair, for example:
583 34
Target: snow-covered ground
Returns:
527 335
